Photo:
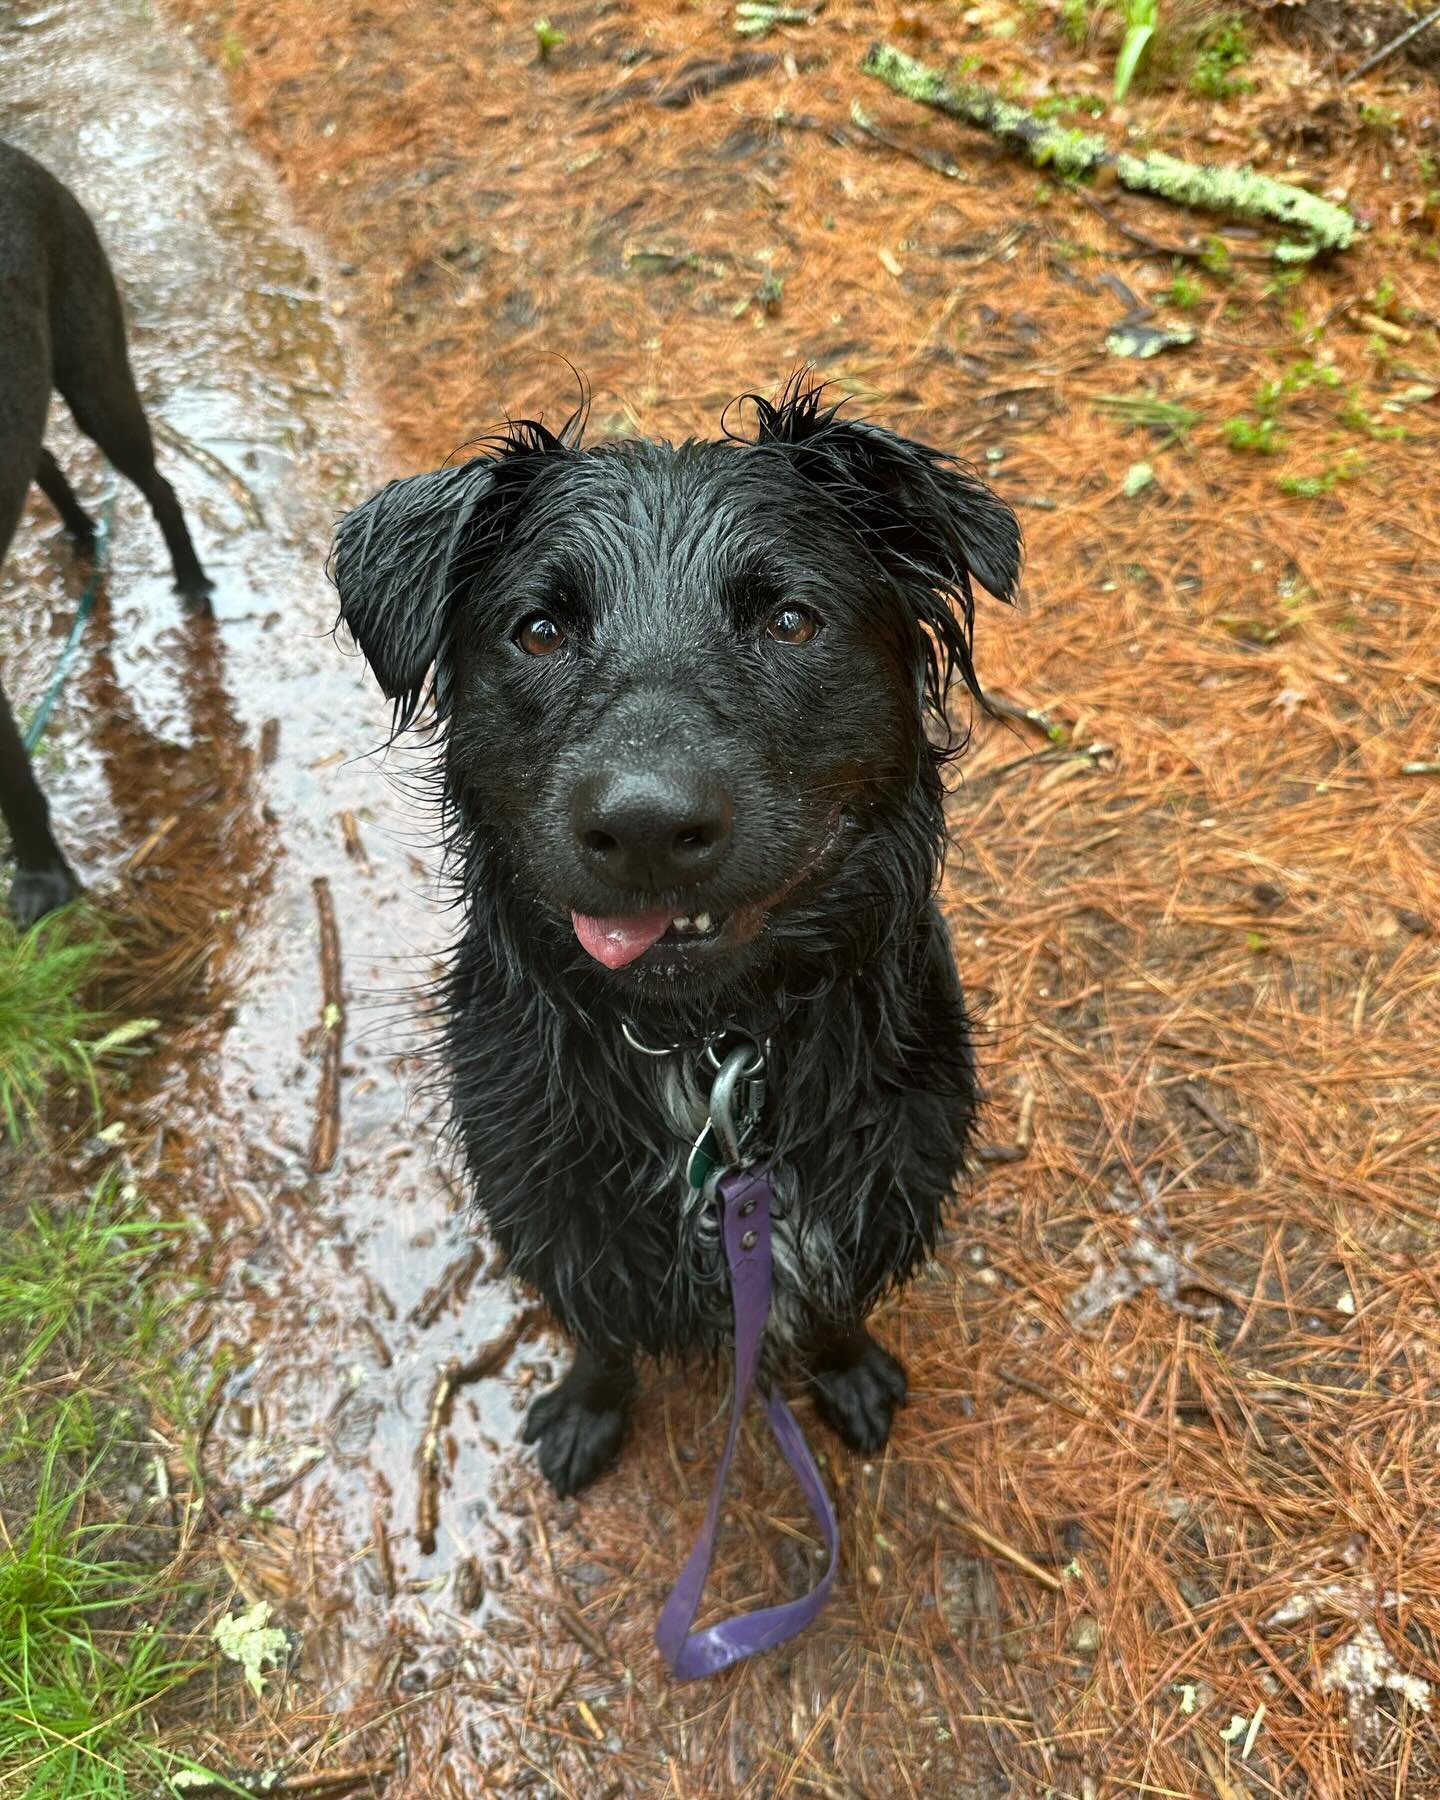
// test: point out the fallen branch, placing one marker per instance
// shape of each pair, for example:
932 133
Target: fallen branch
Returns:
243 496
1321 225
325 1140
277 1781
455 1374
1388 50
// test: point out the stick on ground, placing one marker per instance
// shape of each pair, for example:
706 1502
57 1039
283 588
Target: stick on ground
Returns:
1320 226
325 1141
489 1359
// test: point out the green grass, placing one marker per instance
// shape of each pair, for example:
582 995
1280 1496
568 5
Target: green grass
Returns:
1223 49
1168 419
44 1023
1261 437
85 1649
49 1037
94 1644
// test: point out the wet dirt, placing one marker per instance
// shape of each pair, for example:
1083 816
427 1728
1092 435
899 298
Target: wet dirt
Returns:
204 780
1182 910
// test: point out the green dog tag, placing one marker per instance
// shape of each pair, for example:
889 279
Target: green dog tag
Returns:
704 1157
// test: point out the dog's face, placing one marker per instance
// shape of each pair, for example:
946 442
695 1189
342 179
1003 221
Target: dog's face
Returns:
685 688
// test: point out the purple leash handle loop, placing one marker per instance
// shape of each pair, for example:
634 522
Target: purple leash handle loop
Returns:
745 1196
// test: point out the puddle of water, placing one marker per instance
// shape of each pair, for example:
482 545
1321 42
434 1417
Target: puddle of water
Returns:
244 739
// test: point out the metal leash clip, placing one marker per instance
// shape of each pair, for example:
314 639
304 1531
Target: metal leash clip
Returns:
737 1096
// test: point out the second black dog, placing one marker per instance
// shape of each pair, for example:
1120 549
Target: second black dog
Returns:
61 326
691 774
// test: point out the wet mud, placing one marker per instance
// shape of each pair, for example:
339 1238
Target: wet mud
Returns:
1178 1353
216 787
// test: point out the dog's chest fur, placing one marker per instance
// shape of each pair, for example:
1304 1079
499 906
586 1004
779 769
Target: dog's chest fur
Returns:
576 1148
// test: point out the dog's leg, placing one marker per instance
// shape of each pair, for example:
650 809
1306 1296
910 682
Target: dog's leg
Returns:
858 1385
100 391
578 1425
111 415
43 880
50 478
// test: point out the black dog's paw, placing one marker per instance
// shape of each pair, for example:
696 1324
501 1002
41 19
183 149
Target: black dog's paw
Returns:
858 1401
35 892
577 1435
195 588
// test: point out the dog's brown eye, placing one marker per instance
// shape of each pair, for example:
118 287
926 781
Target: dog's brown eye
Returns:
540 636
792 625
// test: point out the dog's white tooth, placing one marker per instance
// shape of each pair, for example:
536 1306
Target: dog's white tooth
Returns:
702 921
683 924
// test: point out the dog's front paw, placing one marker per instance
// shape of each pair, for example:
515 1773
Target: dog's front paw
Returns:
858 1401
35 892
577 1435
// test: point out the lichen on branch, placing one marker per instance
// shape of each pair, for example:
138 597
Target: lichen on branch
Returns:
1321 226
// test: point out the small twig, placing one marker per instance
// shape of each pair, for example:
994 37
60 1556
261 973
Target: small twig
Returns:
1024 1136
453 1284
1224 1786
490 1358
276 1781
1388 50
1320 226
427 1500
384 1561
1206 1108
1012 1378
452 1376
146 850
1008 1551
327 1778
1385 328
1025 715
928 159
325 1141
1149 246
582 1634
354 843
208 461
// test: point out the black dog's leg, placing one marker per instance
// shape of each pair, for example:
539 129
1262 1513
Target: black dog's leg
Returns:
50 478
578 1425
110 413
92 371
43 880
858 1385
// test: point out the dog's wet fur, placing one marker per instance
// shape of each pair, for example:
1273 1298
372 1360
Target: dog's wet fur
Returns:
710 679
61 326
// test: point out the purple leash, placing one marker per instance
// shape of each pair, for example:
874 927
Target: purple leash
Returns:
744 1196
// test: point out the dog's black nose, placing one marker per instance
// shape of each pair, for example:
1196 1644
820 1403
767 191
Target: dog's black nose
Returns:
651 830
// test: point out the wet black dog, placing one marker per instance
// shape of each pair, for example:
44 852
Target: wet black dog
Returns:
691 769
61 327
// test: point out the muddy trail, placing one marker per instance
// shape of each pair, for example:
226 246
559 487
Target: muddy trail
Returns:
215 789
1167 1452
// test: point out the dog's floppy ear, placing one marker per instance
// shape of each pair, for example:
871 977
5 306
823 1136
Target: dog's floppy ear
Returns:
928 520
399 559
392 563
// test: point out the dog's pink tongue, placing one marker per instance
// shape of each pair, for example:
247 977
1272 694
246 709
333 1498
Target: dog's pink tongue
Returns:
616 942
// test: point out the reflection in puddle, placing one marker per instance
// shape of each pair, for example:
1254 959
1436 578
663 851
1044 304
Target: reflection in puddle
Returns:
208 777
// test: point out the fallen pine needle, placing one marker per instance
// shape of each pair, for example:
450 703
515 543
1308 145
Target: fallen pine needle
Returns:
1008 1551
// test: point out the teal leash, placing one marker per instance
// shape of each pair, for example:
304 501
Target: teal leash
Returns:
35 730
